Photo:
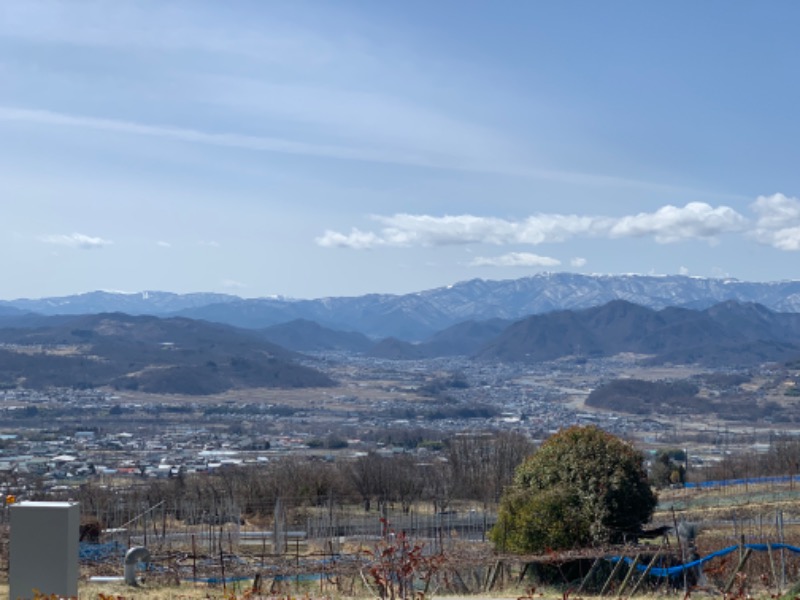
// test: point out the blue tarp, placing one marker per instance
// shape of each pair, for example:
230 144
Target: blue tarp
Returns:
217 580
97 552
677 570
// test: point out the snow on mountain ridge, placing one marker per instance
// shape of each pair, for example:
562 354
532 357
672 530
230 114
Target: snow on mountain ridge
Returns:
418 314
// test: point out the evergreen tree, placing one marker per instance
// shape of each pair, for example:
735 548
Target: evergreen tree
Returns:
582 487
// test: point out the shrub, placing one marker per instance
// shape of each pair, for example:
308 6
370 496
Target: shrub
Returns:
582 487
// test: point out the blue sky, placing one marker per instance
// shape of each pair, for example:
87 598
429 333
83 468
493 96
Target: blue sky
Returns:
313 149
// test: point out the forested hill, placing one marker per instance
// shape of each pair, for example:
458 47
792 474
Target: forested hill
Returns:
729 333
145 353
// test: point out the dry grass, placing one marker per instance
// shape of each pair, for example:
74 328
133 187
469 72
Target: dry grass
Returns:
120 591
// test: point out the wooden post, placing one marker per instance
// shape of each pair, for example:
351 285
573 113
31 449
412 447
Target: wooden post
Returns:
631 571
222 569
498 569
739 567
783 551
263 548
194 560
650 565
592 569
775 581
683 551
613 574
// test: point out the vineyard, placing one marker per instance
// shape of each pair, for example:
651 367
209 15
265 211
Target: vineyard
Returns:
336 550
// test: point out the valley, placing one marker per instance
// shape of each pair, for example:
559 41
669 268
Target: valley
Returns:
410 407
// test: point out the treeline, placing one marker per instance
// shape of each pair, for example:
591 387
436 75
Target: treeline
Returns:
645 397
474 468
781 458
684 397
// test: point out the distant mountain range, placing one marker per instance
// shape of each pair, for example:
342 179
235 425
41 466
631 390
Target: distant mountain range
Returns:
140 303
729 334
418 316
187 356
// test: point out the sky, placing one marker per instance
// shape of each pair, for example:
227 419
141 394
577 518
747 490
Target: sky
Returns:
337 148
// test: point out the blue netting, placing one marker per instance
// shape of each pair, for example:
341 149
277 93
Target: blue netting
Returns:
744 481
217 580
678 569
98 552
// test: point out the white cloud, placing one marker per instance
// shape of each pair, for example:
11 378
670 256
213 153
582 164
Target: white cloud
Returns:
683 271
578 262
542 229
696 220
787 238
75 240
232 284
427 230
668 224
163 244
515 259
209 243
358 240
778 223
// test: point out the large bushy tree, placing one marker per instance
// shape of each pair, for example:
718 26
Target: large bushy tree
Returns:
582 487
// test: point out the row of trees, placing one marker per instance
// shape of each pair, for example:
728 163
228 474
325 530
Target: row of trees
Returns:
582 487
477 468
782 457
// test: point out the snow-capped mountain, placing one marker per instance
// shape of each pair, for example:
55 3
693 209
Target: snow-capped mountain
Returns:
138 303
418 315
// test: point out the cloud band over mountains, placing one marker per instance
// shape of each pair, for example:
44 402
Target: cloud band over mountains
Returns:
776 223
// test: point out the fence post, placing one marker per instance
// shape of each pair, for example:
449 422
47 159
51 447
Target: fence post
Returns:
646 573
613 574
739 567
631 571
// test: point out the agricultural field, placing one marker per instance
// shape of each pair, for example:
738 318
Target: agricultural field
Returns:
344 553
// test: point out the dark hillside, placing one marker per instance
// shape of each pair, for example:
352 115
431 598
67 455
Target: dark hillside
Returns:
303 335
394 349
464 339
145 353
727 334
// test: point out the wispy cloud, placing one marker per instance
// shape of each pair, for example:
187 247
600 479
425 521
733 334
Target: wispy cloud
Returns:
416 151
515 259
233 284
99 24
668 224
163 244
209 243
231 140
75 240
578 262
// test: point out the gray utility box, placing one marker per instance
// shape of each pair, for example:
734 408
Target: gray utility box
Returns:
44 549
